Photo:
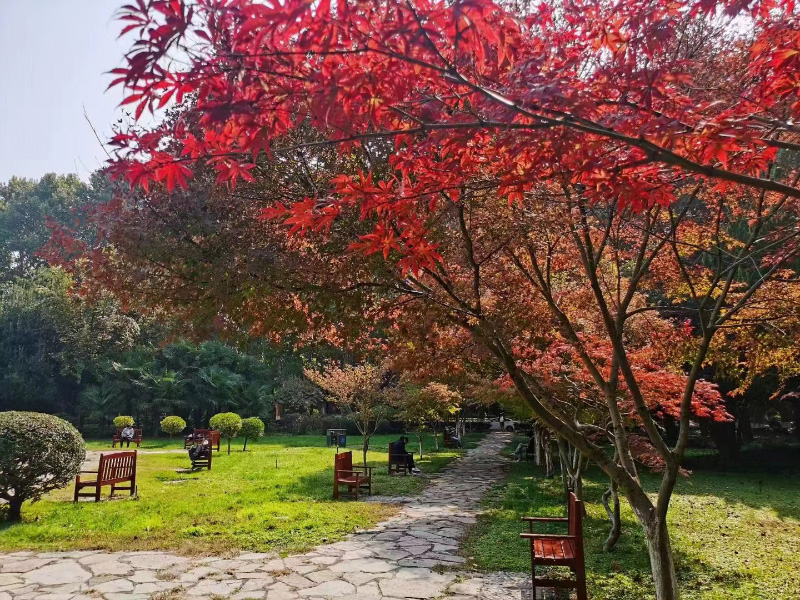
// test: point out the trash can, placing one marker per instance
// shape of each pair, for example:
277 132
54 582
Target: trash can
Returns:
336 437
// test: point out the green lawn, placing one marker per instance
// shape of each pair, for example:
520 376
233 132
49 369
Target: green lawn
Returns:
244 502
736 534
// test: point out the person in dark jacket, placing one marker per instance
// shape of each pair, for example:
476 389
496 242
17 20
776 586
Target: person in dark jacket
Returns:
400 448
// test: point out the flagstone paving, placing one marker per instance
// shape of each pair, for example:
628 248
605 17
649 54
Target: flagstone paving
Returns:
411 556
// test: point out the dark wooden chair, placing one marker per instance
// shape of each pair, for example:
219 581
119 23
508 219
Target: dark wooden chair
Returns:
398 461
114 468
117 439
204 455
551 550
199 434
355 478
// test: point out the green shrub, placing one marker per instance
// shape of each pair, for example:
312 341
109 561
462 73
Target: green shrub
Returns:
228 425
252 429
38 453
123 421
172 425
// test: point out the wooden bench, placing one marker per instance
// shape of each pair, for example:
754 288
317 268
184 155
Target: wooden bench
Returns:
199 434
114 468
398 461
202 459
551 550
355 478
450 441
117 439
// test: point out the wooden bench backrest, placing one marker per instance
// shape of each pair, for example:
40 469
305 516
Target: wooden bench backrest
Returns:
117 466
212 434
344 462
575 515
393 454
137 433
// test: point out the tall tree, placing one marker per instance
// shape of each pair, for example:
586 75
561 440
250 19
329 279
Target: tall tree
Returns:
572 177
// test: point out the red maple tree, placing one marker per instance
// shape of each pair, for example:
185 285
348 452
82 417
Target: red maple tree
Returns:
594 162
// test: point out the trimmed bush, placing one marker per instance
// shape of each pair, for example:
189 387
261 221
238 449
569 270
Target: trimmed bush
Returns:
172 425
228 424
123 421
252 429
38 453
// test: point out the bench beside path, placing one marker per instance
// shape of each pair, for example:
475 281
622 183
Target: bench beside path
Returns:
413 555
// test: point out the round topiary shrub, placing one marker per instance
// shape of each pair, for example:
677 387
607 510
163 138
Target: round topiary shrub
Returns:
123 421
228 424
172 425
38 453
252 429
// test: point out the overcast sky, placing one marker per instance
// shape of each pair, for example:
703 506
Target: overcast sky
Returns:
54 57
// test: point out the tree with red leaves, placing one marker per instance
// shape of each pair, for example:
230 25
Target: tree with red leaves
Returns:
612 185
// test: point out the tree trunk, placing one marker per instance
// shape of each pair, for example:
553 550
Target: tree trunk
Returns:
365 448
15 510
229 445
613 512
419 441
662 566
245 445
537 445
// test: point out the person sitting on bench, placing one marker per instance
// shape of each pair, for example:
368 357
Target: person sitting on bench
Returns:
400 448
201 448
126 435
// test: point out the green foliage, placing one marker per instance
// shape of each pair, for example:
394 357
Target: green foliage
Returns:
228 424
298 394
123 421
38 453
26 205
173 425
252 429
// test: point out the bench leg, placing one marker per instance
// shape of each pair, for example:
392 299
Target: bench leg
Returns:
77 484
97 493
111 493
533 572
335 490
580 582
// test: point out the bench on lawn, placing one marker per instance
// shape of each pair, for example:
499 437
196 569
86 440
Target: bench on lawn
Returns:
203 455
117 439
398 461
113 469
450 440
551 550
355 478
199 434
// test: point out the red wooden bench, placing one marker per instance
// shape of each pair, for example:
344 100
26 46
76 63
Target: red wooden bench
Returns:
198 434
114 468
355 478
398 461
117 439
550 550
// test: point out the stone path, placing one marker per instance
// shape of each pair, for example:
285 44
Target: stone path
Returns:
411 556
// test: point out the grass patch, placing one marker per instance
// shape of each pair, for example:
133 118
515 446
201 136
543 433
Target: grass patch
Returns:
243 503
736 533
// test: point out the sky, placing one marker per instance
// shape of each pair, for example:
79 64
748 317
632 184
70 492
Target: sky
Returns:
55 55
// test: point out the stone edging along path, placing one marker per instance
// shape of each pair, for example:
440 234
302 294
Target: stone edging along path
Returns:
413 555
